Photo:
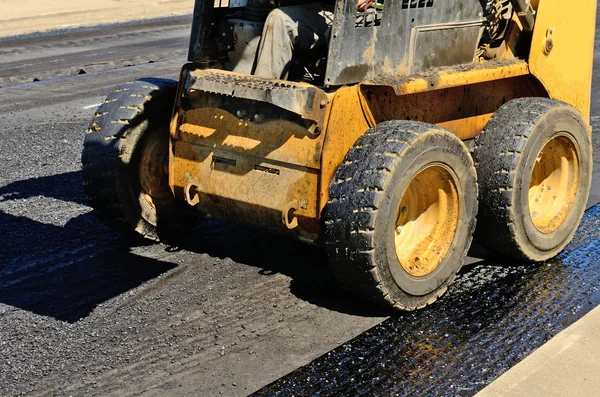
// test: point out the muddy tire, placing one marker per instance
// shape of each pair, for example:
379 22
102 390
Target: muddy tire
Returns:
534 163
124 161
401 214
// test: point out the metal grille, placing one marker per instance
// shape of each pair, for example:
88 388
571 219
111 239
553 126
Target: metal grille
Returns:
397 38
416 3
368 18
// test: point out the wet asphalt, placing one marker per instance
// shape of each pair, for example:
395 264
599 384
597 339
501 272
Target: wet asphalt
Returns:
233 310
494 315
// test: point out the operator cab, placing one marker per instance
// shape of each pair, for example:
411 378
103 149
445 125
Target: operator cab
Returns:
381 43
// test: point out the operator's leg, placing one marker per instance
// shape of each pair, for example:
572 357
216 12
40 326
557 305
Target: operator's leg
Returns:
287 29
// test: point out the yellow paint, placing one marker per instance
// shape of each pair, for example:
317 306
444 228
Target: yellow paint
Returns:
454 77
554 184
247 171
278 141
427 220
197 130
467 127
461 108
566 72
346 122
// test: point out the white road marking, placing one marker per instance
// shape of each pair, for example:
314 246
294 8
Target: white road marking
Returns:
91 106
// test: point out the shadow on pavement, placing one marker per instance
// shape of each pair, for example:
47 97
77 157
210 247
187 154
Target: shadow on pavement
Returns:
66 271
66 187
305 264
67 283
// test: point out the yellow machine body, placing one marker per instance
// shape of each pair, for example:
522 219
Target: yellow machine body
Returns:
275 172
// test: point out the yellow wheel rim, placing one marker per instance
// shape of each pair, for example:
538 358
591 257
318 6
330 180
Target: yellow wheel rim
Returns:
426 221
554 184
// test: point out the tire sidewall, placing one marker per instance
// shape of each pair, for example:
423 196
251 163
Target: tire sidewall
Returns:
428 151
129 183
556 123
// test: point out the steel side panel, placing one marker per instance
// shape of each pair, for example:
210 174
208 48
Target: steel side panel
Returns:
459 75
566 72
360 52
246 189
345 124
245 171
274 141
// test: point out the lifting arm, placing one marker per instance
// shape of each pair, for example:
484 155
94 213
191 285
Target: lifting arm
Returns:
525 12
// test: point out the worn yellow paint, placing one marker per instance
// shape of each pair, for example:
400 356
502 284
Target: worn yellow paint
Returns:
566 72
426 220
463 109
197 130
249 190
263 173
554 184
462 75
277 141
346 122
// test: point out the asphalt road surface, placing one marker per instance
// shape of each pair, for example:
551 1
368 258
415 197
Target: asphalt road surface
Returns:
83 312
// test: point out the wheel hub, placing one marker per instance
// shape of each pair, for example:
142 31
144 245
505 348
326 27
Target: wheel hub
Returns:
153 173
554 184
427 221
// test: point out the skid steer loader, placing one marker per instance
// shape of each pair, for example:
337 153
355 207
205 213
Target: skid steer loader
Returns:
424 118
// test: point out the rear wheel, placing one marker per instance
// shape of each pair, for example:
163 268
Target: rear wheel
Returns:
125 161
534 163
401 213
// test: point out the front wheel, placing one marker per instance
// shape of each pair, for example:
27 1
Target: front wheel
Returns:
401 213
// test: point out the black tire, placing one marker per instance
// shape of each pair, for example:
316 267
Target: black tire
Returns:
512 167
362 215
133 115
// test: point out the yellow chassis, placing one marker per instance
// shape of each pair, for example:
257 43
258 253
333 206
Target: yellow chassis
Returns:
276 173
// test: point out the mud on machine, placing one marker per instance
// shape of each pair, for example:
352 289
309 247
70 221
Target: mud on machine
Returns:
425 123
